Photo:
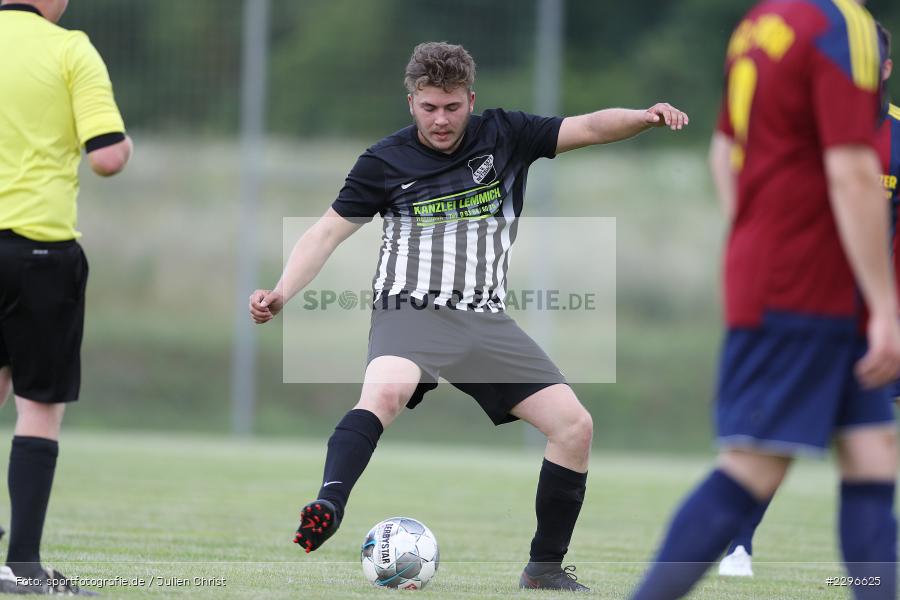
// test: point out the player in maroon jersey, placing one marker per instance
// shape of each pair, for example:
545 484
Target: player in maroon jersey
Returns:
738 561
810 304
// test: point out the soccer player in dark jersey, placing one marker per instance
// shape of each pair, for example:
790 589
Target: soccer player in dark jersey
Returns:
738 559
810 301
450 189
57 99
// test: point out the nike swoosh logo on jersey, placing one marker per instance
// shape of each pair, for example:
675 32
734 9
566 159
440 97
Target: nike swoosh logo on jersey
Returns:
327 483
404 186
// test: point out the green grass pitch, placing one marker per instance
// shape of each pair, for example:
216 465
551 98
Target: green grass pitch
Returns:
141 506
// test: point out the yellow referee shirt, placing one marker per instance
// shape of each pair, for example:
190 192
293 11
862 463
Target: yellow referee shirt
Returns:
55 95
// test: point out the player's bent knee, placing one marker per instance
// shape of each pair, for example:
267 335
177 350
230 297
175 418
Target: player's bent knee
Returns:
759 473
583 430
577 432
392 394
386 400
868 454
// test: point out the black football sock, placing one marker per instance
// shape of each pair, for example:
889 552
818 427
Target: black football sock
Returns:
349 450
560 494
32 462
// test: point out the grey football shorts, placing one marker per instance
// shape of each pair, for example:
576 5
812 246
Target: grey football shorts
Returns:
484 354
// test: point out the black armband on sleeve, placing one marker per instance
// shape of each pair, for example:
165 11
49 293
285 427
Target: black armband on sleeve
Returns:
102 141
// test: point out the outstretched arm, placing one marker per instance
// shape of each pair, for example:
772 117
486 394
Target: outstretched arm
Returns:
615 124
306 260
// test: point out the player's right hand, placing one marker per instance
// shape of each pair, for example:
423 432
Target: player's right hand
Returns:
881 364
663 114
264 305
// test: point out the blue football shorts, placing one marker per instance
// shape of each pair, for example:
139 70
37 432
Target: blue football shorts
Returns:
788 386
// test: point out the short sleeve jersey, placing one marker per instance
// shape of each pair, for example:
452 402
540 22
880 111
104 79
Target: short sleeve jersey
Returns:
449 219
801 76
57 96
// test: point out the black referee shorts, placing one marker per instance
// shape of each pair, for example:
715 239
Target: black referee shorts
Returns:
485 355
42 316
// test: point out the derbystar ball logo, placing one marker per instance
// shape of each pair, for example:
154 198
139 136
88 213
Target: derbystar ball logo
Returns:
483 168
386 544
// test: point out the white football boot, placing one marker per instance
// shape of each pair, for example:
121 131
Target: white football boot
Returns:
737 564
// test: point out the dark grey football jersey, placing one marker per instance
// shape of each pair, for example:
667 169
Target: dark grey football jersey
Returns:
449 219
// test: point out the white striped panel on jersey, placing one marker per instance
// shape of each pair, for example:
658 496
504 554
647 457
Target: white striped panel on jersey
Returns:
471 263
381 273
423 276
509 214
489 233
401 250
448 268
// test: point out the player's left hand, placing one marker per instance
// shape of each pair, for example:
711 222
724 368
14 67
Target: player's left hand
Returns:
664 114
881 363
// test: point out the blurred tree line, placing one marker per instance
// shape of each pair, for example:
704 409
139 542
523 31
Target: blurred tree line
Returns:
336 66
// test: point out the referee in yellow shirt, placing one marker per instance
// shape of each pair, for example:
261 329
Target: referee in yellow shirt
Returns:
56 99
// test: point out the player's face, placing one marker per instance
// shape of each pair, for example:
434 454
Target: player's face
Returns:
441 117
887 67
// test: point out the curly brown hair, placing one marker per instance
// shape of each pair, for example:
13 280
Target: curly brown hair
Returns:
439 64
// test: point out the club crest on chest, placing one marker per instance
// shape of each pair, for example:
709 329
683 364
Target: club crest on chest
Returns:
482 168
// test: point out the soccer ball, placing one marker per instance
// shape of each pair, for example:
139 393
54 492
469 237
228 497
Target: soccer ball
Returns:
400 553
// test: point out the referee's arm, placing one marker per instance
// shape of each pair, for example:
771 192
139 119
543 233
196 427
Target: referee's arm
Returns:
98 121
108 154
